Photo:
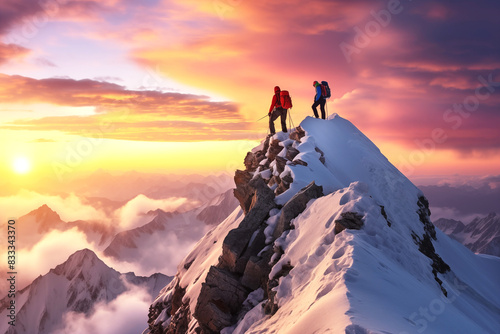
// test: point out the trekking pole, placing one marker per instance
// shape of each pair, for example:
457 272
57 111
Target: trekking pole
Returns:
262 118
291 122
327 114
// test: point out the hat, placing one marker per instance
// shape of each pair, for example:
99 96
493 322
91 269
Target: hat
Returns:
315 83
277 89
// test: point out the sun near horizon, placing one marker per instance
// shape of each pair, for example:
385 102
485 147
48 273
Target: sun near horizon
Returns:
21 165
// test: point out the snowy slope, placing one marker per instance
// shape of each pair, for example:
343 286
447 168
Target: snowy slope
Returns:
481 235
75 285
394 275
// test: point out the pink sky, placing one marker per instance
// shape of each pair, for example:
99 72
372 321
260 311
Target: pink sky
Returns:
418 78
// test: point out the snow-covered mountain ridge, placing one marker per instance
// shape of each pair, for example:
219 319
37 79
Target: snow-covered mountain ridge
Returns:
330 238
76 285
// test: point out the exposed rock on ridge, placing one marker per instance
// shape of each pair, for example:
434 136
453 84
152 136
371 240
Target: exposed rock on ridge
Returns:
245 263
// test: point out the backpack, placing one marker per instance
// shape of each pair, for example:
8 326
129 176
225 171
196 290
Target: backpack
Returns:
325 90
278 100
286 100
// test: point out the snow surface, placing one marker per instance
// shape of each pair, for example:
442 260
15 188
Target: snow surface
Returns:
373 280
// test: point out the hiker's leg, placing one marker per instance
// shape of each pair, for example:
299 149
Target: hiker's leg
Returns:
314 106
283 119
272 118
322 106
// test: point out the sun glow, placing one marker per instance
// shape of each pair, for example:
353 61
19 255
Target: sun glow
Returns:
21 165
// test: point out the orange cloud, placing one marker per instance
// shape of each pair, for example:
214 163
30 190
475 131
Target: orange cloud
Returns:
10 51
125 114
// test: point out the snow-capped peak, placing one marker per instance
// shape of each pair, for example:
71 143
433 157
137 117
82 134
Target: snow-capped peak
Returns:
333 239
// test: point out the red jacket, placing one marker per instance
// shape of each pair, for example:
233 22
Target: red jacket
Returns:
276 102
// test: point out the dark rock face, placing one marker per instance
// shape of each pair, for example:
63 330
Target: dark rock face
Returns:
245 262
220 300
425 245
295 206
299 133
384 214
348 220
243 191
244 265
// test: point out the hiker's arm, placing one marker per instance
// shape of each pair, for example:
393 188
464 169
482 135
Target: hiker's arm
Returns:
318 93
272 104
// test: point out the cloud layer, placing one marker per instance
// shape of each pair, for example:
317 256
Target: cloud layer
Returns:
127 314
124 114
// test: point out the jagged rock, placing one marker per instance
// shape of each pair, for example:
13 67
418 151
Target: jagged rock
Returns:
179 322
274 180
253 159
237 240
423 213
274 150
262 201
233 247
297 134
266 144
255 273
219 301
322 157
282 187
295 206
298 162
384 214
243 192
291 153
250 162
270 307
280 164
256 244
425 245
348 220
288 178
177 298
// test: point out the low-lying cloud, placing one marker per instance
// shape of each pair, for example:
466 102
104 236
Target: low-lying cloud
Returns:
70 207
134 213
127 314
52 250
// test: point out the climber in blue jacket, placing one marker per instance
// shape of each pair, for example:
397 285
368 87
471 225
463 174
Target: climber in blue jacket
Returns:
319 100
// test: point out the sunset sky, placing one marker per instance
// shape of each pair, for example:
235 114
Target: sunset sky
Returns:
177 86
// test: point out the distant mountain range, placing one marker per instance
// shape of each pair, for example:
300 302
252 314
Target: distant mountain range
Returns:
76 285
482 235
173 233
37 223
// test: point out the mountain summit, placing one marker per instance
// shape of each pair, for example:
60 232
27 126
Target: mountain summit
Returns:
329 238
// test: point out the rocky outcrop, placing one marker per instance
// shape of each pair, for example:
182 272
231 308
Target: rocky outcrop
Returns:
245 263
243 192
295 206
424 242
220 300
348 220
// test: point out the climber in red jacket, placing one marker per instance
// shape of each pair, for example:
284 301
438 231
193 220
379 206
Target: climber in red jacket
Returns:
275 111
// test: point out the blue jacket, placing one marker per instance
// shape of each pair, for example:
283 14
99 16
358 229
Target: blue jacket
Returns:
318 93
